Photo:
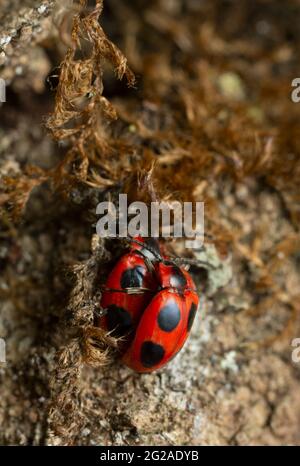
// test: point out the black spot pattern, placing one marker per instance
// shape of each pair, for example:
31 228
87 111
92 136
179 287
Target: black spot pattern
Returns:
133 278
151 353
118 320
192 313
177 279
169 316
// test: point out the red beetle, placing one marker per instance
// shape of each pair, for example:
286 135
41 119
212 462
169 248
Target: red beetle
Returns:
151 302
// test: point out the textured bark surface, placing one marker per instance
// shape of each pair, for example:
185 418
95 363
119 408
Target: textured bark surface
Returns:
22 26
233 383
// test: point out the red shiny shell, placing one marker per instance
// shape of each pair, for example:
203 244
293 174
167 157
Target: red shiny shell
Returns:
124 309
162 330
152 304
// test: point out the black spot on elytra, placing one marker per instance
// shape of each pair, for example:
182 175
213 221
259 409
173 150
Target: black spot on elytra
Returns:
169 316
177 279
133 278
151 353
118 320
192 313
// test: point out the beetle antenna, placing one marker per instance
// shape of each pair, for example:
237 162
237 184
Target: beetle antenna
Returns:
196 262
177 260
145 245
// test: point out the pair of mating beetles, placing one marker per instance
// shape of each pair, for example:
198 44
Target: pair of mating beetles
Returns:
150 301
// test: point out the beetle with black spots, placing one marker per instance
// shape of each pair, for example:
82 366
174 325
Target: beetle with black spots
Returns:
151 302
